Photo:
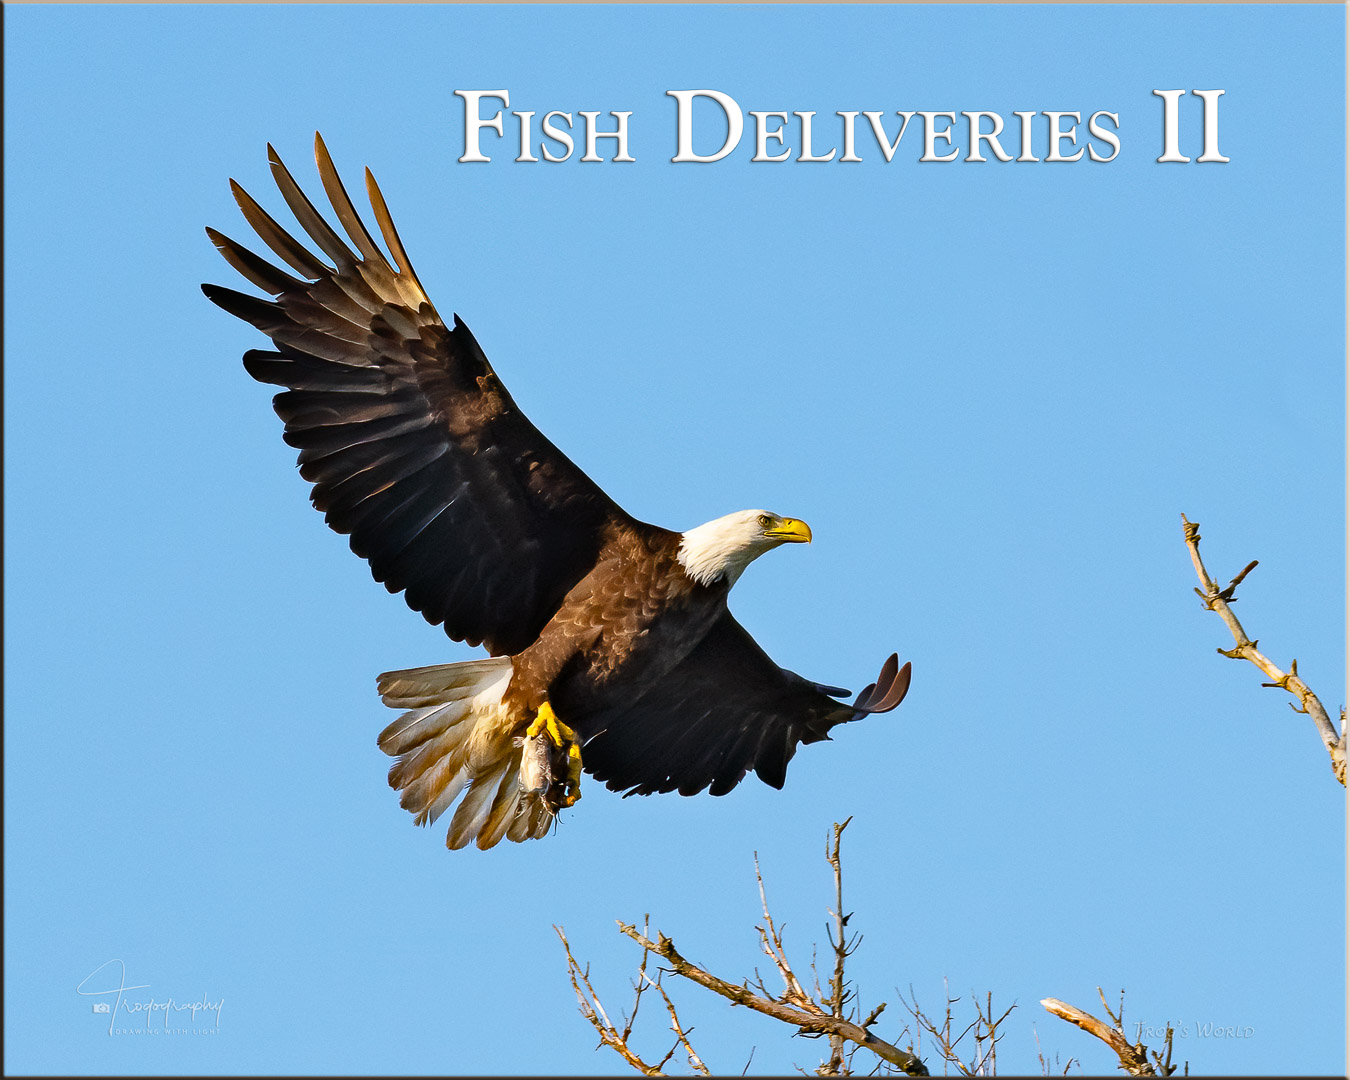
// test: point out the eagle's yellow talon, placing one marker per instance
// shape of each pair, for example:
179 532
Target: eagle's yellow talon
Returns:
546 722
573 775
536 727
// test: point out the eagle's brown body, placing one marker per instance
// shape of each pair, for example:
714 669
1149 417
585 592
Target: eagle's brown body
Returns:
620 630
617 629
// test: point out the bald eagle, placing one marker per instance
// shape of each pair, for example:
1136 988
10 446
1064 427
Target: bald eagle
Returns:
611 648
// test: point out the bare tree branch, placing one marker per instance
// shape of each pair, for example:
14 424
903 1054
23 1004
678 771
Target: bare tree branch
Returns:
824 1014
828 1014
1218 601
1045 1064
842 947
1134 1057
809 1020
681 1032
941 1036
594 1011
771 941
984 1030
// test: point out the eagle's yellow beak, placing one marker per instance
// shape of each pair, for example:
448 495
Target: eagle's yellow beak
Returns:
791 531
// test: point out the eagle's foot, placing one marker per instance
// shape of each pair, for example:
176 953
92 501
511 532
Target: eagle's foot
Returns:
571 777
546 722
565 779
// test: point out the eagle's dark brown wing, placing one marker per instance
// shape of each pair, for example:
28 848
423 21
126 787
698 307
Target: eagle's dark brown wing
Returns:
722 711
412 444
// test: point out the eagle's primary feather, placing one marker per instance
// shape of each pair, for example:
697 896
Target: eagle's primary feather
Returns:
614 631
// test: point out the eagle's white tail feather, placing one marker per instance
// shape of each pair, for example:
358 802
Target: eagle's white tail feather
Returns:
435 685
472 812
457 735
505 805
415 726
429 796
533 822
519 829
427 756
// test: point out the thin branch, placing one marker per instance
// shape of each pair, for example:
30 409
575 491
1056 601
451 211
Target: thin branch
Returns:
1040 1056
771 941
808 1022
681 1032
1218 601
989 1033
1163 1061
638 987
1117 1018
983 1029
593 1011
1134 1057
842 948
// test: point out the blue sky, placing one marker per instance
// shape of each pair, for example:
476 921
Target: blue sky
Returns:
990 388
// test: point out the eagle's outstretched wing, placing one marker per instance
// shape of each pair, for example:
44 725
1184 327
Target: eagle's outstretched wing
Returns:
724 709
413 445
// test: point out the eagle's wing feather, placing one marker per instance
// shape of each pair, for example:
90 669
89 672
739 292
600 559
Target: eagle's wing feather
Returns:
725 709
413 445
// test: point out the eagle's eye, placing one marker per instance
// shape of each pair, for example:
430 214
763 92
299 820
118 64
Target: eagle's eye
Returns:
765 521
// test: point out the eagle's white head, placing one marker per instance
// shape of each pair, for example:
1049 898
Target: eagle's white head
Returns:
724 547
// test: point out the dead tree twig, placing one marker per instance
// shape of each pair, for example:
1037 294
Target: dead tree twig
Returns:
771 943
984 1030
1219 601
823 1014
1044 1061
610 1035
830 1011
681 1032
1135 1058
843 946
808 1019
